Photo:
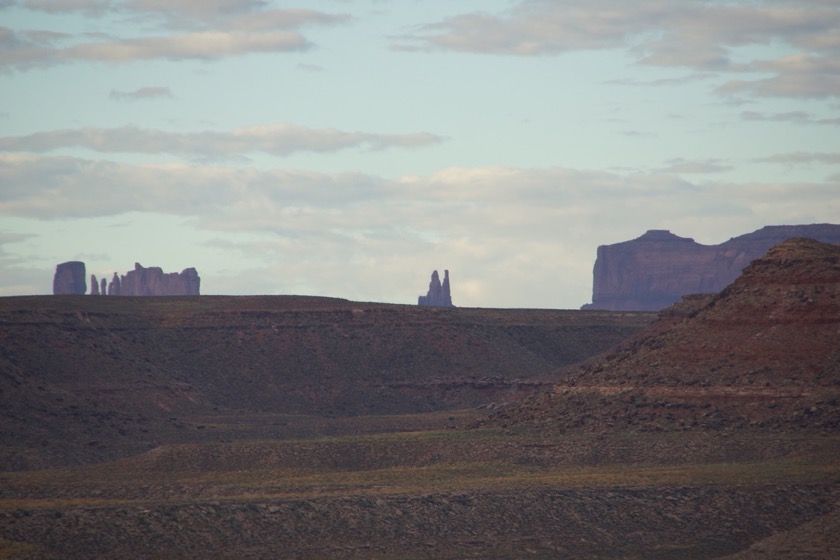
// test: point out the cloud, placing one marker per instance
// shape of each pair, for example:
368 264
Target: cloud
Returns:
517 201
681 166
702 36
191 31
148 92
510 236
278 140
831 158
799 75
795 117
89 7
26 52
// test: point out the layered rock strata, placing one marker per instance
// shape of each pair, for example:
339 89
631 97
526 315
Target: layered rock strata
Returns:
655 270
763 354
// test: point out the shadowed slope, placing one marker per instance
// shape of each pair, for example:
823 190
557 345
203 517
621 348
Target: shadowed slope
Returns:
87 378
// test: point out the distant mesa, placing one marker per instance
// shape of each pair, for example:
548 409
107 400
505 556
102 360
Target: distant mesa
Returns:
438 294
152 281
657 269
69 278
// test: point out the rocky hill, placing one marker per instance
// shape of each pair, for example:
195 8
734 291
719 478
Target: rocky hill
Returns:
658 268
764 352
712 432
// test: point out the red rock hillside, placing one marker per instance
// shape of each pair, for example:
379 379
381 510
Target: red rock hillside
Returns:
764 353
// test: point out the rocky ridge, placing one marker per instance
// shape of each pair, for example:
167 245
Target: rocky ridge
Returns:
763 353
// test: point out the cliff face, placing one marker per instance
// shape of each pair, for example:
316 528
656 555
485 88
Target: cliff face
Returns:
153 281
150 281
655 270
438 294
69 278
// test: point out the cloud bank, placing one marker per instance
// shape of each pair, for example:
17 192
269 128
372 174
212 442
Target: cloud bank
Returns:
187 30
703 36
277 139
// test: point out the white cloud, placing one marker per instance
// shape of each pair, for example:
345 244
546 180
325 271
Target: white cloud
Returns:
831 158
703 36
148 92
90 7
794 117
799 75
512 237
205 31
278 139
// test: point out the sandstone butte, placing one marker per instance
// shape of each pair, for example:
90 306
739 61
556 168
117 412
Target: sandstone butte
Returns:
69 278
655 270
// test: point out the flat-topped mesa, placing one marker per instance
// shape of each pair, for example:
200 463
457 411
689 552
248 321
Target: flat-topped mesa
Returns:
69 278
438 294
153 281
655 270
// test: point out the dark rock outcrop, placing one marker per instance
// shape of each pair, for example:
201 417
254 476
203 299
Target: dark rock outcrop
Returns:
153 281
438 294
655 270
69 278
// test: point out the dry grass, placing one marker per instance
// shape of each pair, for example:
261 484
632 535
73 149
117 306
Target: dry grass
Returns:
383 465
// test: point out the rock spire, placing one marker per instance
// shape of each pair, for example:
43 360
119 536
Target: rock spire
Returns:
438 294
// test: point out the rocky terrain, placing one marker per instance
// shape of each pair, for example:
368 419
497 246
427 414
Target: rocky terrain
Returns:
658 268
89 378
764 352
709 432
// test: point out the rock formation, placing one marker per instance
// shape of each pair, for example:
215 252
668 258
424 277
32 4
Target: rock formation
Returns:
655 270
69 278
153 281
438 294
114 286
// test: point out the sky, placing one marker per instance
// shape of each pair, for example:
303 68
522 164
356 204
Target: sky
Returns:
347 148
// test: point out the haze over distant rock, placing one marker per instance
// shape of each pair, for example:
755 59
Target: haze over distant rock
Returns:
69 278
655 270
438 294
